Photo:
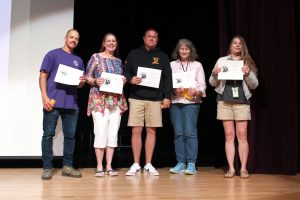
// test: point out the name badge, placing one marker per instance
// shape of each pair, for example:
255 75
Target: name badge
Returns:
235 92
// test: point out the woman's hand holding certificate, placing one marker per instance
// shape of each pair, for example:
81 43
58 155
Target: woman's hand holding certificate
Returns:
112 83
231 70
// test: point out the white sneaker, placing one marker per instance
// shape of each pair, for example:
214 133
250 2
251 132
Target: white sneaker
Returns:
148 168
134 169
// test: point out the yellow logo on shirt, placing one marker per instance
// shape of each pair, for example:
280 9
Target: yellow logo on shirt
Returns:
155 60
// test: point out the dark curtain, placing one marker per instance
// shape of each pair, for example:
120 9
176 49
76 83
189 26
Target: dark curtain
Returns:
128 20
297 12
269 28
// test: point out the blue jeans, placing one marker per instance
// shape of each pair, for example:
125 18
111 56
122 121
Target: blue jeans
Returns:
69 123
184 118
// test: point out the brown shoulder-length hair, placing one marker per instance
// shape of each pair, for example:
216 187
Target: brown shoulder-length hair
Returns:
245 55
193 53
102 49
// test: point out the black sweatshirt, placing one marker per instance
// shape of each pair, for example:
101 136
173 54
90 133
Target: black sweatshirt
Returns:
154 59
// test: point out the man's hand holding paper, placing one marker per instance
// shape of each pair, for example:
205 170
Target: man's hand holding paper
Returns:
150 77
68 75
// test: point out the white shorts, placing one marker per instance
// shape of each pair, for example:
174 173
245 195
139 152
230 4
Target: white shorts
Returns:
106 127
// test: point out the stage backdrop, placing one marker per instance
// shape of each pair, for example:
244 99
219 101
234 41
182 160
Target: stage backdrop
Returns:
29 29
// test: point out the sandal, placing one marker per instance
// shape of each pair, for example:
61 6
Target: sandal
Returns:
99 173
244 174
111 172
229 174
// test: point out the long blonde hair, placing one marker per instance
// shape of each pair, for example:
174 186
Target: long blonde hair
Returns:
245 55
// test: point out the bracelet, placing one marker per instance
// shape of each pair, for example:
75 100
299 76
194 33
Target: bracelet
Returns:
95 84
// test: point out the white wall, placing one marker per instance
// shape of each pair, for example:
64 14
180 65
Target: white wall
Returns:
36 26
5 15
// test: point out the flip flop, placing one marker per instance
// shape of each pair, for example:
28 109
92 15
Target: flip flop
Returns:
99 173
111 172
244 174
229 174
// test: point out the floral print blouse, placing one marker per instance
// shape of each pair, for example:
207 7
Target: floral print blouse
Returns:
99 100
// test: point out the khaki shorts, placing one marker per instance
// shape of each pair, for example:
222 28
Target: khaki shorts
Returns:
142 112
233 111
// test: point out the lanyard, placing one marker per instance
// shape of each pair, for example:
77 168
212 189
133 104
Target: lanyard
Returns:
187 64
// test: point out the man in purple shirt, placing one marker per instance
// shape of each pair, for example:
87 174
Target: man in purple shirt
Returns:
60 100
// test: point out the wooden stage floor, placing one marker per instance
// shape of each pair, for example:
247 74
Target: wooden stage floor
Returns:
25 183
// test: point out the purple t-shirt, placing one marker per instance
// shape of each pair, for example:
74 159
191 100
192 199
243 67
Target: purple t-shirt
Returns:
64 95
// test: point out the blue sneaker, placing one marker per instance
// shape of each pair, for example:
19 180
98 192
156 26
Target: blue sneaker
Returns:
191 169
179 168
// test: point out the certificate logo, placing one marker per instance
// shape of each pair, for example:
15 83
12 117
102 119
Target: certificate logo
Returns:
143 75
178 80
64 73
107 81
224 68
155 61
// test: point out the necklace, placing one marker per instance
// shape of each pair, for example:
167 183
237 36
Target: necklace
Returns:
187 64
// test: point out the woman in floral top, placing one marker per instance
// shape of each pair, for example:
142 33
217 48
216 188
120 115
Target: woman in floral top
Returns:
105 107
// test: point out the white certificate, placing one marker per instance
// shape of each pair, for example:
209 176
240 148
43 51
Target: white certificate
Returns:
150 77
112 83
67 75
231 70
184 80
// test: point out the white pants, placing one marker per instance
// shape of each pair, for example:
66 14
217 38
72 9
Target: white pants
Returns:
106 127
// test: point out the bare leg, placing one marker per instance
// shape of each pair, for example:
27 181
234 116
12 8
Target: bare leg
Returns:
241 132
99 156
229 130
150 143
109 157
136 142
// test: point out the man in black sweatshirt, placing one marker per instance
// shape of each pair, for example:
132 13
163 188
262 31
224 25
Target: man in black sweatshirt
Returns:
145 103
